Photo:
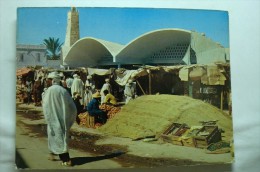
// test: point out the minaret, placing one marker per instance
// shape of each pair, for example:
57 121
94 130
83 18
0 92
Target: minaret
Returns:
72 32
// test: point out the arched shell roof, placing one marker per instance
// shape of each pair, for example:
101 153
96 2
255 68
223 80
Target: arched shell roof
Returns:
92 51
145 45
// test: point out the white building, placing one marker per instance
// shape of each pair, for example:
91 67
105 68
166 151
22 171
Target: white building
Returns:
34 55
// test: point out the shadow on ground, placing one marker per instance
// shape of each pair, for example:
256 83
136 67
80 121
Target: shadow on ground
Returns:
20 163
84 160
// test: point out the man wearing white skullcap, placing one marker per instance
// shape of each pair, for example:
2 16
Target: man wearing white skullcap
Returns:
60 113
77 86
130 91
106 86
89 90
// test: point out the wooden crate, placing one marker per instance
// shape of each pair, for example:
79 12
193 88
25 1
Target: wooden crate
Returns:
189 142
207 135
173 133
188 137
86 120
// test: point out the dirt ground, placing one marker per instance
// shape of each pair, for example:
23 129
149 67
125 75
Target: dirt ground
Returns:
125 151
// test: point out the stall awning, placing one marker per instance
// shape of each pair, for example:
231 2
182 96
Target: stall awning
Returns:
23 71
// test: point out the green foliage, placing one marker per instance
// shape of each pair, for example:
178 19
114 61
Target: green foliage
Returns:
53 48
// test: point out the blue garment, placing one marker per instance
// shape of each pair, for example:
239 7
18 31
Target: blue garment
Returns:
93 107
93 110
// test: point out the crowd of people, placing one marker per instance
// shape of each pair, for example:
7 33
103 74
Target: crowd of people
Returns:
63 98
35 87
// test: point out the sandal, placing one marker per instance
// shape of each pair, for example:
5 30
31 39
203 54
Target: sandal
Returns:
68 163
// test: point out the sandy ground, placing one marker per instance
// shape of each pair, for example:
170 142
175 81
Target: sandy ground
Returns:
33 151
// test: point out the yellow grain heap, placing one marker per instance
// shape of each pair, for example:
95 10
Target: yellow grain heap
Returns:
153 114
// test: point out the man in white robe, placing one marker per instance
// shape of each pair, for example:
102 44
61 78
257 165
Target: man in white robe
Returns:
89 87
60 113
77 86
106 86
130 91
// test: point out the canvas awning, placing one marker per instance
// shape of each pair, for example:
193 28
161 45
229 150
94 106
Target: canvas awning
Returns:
92 71
23 71
208 74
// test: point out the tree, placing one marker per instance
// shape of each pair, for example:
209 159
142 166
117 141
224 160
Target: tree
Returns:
53 48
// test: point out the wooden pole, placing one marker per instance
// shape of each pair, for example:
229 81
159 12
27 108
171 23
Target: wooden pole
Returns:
150 81
221 98
140 87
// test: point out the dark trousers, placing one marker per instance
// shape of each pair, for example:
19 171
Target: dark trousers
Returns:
101 117
29 97
65 157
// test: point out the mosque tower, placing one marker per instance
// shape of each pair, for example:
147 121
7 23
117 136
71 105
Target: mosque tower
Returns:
72 32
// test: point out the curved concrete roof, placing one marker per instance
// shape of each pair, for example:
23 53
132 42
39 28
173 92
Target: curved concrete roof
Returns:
92 51
147 44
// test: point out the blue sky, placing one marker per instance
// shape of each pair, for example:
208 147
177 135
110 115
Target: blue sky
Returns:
120 25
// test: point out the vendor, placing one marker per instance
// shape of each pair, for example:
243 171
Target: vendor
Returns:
76 99
130 91
93 109
106 86
109 98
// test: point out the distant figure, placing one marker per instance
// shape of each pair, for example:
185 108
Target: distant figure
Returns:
89 88
130 91
69 82
109 98
60 112
106 86
37 91
90 83
29 87
76 99
77 86
93 109
63 81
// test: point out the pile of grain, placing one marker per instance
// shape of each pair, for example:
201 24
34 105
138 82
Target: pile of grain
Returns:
153 114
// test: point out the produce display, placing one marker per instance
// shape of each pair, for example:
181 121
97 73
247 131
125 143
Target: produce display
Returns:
111 110
88 121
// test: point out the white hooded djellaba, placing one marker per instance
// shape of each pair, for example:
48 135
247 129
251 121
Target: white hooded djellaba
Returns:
60 113
77 86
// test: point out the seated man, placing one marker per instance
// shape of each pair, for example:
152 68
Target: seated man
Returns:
93 109
109 98
76 99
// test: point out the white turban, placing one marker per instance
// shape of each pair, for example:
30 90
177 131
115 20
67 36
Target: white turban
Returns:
61 74
75 75
130 81
55 77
